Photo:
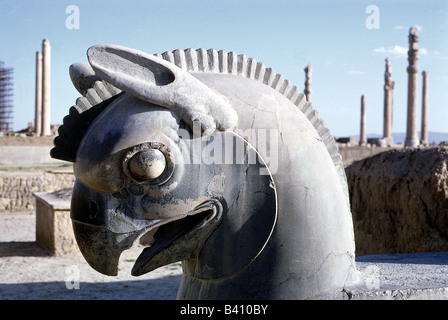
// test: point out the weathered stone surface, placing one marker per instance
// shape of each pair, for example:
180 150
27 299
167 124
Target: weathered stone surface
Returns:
411 126
270 221
53 224
399 201
82 76
46 88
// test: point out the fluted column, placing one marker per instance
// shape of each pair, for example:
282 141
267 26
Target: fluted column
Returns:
46 89
411 127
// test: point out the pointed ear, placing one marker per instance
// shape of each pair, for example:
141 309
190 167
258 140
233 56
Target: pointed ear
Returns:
160 82
82 76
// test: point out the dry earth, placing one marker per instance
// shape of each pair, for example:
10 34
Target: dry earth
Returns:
29 272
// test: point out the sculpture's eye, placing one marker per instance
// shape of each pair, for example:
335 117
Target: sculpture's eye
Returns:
148 164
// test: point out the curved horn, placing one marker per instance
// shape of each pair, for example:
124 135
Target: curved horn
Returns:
82 76
157 81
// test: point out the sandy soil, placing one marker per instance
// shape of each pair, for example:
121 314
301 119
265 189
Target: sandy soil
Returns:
28 271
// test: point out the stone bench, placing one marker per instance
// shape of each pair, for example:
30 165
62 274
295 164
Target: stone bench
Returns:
53 225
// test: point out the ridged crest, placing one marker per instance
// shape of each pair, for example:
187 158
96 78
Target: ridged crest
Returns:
200 60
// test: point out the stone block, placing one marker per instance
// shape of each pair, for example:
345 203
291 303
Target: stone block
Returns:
399 201
380 142
349 140
53 224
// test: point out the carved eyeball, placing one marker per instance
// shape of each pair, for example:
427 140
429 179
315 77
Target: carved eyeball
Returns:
148 164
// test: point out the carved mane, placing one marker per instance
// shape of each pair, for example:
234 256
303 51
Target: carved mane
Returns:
97 98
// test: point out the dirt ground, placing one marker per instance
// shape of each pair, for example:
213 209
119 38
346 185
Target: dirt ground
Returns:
29 272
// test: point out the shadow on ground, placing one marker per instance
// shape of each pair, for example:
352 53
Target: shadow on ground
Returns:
23 249
429 258
119 290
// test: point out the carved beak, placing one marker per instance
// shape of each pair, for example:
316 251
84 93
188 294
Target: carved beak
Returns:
104 227
181 239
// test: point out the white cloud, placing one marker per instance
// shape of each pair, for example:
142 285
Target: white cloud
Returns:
397 51
439 55
419 28
357 72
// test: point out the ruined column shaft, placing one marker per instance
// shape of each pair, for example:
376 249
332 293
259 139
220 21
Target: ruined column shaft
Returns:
388 105
386 128
411 127
38 101
362 134
307 90
46 90
424 133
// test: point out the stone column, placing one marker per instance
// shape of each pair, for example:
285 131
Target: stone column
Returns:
362 134
411 127
307 90
424 133
38 101
388 107
46 90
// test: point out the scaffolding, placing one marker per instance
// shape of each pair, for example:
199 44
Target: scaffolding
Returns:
6 102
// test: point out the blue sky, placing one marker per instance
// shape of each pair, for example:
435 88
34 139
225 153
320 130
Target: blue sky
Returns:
347 58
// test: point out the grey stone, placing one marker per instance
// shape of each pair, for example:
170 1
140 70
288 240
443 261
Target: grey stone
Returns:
53 227
362 130
253 198
388 105
46 88
83 77
157 81
424 132
38 98
411 124
412 276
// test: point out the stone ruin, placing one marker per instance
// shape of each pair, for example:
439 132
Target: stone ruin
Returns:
407 175
392 178
147 141
42 126
6 94
353 149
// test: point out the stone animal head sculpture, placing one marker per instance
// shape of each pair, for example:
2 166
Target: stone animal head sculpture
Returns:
217 159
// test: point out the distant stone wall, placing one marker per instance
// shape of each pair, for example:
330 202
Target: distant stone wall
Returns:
352 153
17 188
